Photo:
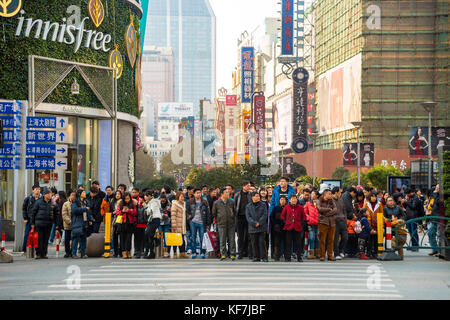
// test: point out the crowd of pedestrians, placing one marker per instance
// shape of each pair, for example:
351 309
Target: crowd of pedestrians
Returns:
254 223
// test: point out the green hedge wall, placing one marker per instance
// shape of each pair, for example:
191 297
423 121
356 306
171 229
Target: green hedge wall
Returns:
15 50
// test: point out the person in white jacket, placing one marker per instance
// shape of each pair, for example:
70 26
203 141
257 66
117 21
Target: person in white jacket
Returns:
153 211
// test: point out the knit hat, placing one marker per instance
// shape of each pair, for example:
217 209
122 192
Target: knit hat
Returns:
46 191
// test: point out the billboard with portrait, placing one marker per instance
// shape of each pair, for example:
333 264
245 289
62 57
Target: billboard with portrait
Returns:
339 96
418 141
350 155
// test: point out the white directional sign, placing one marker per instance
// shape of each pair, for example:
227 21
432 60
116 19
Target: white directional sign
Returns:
61 136
62 122
61 150
60 163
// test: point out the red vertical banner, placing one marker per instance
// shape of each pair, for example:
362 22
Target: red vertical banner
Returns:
220 126
231 100
260 123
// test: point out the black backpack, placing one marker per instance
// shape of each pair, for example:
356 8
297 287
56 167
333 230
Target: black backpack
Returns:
141 216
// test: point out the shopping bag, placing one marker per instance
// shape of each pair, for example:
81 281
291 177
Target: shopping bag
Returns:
206 243
174 239
119 219
213 240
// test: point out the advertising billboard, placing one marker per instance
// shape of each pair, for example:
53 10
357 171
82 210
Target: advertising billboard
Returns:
339 96
175 110
418 141
367 154
287 27
282 122
247 73
350 154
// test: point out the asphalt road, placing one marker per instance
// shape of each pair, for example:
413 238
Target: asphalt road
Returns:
417 277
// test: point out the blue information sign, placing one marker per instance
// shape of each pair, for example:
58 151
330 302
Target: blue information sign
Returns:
287 27
247 73
10 149
9 108
41 122
41 136
9 163
42 150
11 135
41 163
11 121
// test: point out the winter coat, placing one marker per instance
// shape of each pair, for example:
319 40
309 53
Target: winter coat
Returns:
153 209
275 200
204 211
349 209
312 215
27 206
373 214
42 214
293 217
224 213
66 215
256 213
412 208
275 219
95 204
178 215
79 225
365 226
341 215
237 203
327 212
130 216
395 211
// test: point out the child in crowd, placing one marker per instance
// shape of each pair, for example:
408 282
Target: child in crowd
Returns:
363 237
352 244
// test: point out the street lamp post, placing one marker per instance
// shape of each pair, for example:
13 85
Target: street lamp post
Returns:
313 136
357 125
429 107
282 144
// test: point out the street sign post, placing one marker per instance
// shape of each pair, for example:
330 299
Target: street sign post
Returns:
9 163
47 122
40 163
10 149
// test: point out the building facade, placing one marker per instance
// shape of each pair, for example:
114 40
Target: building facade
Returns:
92 83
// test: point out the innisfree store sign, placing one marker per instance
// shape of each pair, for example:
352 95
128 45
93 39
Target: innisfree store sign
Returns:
75 35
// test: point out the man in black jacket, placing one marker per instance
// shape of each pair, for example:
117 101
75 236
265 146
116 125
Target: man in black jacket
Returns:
42 220
412 204
347 198
94 200
27 206
241 200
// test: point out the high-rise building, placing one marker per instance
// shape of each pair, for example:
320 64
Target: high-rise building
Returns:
158 83
189 28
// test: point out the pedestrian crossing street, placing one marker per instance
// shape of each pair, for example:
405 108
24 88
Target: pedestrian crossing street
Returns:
213 279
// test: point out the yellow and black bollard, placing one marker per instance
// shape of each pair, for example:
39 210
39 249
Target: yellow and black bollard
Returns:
380 225
107 234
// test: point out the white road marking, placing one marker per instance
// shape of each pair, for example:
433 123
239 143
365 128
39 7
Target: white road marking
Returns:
226 274
190 284
242 290
278 278
314 294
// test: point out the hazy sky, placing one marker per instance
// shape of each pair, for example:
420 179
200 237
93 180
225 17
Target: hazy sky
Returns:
234 17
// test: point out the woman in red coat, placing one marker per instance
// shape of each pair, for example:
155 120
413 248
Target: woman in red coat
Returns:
128 210
292 216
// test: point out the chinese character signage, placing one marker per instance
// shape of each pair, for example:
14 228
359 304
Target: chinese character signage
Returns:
247 67
310 107
11 121
287 27
9 108
220 124
9 163
231 100
299 111
246 124
367 154
41 163
260 123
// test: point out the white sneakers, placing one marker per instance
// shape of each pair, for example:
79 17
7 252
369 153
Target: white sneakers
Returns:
342 255
338 258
